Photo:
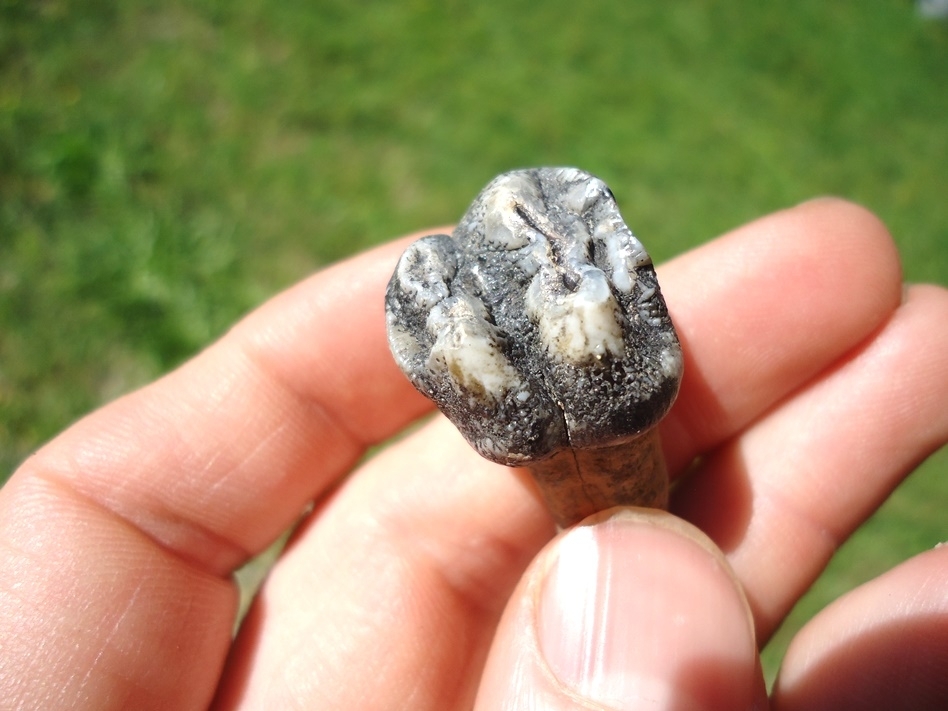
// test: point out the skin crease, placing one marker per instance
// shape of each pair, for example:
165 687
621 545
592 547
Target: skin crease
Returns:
430 578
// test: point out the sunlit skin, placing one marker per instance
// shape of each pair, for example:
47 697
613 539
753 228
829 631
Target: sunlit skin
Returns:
429 578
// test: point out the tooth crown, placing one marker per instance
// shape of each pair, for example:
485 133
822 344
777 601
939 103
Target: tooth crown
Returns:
538 325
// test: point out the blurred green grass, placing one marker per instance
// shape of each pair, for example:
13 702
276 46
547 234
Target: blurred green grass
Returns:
164 166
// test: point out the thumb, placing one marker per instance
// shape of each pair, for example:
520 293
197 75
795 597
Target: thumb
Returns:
631 609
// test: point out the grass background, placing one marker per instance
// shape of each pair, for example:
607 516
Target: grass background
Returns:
164 166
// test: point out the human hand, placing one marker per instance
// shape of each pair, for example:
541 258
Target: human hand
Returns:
430 578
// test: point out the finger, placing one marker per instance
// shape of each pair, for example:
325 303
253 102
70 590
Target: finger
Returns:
784 495
881 646
627 610
117 538
94 616
388 597
767 307
219 457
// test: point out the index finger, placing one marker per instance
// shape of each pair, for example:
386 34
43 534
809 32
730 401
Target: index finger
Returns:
117 539
217 458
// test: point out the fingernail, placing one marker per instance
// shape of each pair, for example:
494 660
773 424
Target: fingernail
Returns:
633 612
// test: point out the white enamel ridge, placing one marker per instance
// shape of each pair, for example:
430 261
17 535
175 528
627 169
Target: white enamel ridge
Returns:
502 225
580 325
468 348
422 258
